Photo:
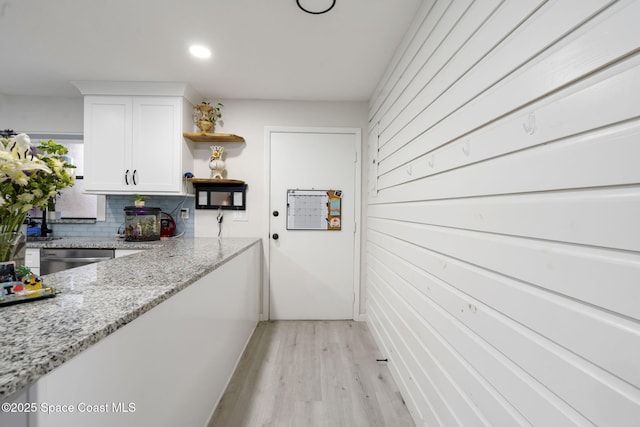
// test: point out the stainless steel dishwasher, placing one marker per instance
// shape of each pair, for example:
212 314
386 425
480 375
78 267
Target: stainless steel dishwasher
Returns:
54 260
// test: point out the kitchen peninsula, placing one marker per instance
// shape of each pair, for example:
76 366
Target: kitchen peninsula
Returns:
147 339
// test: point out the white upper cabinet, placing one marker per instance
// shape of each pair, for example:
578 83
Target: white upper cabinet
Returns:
134 142
157 143
108 137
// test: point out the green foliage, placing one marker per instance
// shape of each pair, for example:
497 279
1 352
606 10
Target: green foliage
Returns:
30 179
138 197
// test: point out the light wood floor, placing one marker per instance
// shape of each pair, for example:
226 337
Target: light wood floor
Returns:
311 373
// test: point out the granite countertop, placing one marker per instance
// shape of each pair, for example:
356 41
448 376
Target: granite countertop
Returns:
94 243
97 299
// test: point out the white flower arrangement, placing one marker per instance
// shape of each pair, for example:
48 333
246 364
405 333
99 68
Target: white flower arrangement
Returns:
29 178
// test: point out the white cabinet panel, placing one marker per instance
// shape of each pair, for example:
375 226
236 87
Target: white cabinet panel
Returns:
108 139
32 259
157 144
168 367
133 144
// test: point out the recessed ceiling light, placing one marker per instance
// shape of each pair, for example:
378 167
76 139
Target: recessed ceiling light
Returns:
199 51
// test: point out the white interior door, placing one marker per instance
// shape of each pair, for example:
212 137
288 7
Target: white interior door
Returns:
312 272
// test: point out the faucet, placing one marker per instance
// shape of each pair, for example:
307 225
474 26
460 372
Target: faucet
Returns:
44 230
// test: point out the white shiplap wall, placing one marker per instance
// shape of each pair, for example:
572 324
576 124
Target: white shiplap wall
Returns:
503 236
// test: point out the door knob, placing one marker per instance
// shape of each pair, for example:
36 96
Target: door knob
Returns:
276 213
275 236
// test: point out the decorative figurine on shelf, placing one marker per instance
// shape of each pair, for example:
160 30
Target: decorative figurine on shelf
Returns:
216 164
206 115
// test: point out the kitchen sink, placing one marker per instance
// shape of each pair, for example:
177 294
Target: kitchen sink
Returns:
42 238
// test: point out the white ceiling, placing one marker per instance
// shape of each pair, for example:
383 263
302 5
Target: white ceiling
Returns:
262 49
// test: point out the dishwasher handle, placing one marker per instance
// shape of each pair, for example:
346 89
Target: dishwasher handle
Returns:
75 259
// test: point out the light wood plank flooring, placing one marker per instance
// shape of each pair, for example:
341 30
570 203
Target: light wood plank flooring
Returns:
311 373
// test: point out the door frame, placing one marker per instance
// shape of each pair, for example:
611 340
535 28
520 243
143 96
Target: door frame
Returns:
357 134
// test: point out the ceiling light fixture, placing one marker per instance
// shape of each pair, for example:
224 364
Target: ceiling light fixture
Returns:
199 51
317 12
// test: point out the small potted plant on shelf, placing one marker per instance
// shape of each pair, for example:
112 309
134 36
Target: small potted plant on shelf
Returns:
138 200
206 115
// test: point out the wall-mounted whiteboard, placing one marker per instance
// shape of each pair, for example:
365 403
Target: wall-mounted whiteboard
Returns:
313 209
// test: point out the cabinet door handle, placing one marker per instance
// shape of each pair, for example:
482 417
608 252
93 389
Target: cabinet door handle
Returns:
135 171
126 177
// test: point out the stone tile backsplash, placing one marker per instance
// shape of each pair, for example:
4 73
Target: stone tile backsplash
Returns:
115 216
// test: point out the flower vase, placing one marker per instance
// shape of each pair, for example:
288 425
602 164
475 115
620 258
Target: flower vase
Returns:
216 164
204 116
12 247
205 126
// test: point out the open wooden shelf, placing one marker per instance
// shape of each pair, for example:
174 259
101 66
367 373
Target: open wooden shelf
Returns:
213 137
